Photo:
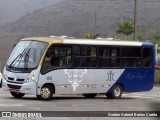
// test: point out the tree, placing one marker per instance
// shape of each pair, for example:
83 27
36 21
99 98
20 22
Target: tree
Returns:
127 28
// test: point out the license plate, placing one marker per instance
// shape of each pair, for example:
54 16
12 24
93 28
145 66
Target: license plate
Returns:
13 90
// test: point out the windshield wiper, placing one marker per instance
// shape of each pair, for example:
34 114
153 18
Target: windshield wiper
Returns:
26 58
18 56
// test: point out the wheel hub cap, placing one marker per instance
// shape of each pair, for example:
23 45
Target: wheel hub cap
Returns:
45 92
117 91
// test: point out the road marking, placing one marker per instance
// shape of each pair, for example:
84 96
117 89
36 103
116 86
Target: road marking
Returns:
19 105
12 105
74 105
37 108
55 118
82 105
133 94
143 96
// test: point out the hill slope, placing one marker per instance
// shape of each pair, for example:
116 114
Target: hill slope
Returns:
12 10
75 17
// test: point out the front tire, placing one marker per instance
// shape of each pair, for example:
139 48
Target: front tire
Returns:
91 95
1 83
116 92
45 93
17 95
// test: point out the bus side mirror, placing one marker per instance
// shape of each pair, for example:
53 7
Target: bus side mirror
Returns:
14 45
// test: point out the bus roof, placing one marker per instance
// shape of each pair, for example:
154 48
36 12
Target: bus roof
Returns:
102 41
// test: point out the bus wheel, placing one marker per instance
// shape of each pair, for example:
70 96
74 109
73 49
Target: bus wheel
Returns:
92 95
1 83
17 95
116 92
45 93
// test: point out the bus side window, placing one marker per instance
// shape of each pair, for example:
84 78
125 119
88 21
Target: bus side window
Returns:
85 56
147 57
131 57
109 56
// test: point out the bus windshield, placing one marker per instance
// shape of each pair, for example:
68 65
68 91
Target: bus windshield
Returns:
27 54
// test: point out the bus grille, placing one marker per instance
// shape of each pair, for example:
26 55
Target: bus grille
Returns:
9 78
14 82
14 86
18 80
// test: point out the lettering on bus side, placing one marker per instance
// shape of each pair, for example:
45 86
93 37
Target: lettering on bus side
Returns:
136 76
49 77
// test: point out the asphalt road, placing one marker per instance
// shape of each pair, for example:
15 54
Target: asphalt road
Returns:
143 101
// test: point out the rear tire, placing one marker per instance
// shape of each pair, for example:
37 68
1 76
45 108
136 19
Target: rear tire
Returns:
45 93
116 92
17 95
91 95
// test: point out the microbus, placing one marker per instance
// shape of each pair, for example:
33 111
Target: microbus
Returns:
47 66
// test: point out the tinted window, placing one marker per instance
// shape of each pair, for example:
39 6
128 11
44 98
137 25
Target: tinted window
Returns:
147 57
131 52
109 56
131 57
57 57
85 56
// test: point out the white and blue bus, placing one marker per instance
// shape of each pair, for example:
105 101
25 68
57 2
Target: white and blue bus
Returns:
46 66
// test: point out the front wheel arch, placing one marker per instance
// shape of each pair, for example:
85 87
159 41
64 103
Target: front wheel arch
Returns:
47 88
52 85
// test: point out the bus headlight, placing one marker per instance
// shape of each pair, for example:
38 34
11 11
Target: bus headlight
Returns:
30 78
0 75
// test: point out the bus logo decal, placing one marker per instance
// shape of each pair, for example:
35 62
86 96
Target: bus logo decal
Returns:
75 77
110 76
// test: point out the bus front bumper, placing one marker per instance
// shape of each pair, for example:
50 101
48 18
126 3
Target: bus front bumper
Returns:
26 88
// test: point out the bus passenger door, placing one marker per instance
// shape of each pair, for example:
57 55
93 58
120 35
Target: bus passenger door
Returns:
55 66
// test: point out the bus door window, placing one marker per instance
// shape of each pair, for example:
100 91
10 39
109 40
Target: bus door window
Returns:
55 60
47 61
57 57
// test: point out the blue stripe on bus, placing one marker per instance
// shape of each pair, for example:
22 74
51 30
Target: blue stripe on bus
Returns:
147 44
136 80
